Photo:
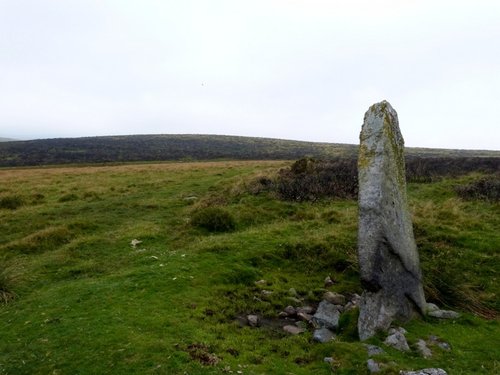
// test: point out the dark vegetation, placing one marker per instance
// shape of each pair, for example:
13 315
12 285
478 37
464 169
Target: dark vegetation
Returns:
487 188
135 148
119 149
311 179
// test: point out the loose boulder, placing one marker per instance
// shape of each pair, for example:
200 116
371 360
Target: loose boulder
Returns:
388 257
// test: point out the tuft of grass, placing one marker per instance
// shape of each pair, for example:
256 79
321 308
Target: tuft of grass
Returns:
6 287
213 219
11 202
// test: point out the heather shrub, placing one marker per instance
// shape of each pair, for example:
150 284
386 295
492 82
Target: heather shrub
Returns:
487 188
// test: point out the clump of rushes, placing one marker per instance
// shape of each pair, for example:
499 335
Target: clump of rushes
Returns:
213 219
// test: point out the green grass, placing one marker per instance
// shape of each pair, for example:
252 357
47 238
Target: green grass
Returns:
83 300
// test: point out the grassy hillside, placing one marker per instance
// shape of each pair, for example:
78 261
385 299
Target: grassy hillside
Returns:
80 298
182 147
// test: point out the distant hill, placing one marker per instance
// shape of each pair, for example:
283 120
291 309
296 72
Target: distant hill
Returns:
135 148
7 139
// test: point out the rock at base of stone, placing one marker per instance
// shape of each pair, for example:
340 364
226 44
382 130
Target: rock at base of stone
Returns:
323 335
327 316
398 341
334 298
444 314
372 366
293 330
426 371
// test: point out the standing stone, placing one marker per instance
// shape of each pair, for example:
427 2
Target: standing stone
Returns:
388 257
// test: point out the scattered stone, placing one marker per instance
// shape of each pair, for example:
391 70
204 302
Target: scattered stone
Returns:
261 282
304 317
388 258
434 340
372 366
426 371
328 282
191 198
423 349
293 330
327 315
301 324
266 293
334 298
329 360
374 350
323 335
290 311
356 298
401 330
253 320
444 345
444 314
282 315
134 243
306 310
398 341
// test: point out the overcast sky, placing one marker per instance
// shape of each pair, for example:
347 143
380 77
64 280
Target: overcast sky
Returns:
296 69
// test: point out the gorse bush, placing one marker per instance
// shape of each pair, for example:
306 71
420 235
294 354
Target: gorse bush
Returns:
213 219
11 202
487 188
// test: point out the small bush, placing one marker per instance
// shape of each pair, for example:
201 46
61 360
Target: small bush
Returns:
213 219
11 202
487 188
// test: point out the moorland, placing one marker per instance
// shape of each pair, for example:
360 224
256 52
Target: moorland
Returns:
152 267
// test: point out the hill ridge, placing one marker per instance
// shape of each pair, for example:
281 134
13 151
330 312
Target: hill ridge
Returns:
178 147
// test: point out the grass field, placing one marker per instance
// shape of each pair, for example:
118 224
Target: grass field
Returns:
79 298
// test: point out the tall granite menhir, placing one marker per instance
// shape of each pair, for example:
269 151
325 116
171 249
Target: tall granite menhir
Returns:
388 257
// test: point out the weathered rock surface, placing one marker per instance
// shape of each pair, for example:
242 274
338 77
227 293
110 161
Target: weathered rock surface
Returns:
327 315
323 335
426 371
388 257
